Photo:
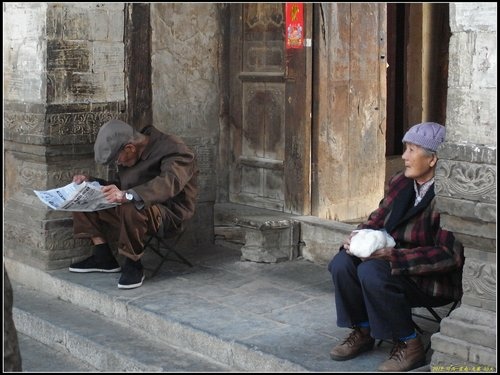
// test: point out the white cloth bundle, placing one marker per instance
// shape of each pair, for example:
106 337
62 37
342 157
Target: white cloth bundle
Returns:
366 241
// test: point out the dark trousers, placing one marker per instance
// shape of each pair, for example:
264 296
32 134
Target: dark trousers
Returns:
123 223
367 292
12 361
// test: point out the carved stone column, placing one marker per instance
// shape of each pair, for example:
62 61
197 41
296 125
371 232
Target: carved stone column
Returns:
63 78
466 188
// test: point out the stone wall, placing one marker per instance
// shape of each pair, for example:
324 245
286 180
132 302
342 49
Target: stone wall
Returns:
186 42
63 78
466 187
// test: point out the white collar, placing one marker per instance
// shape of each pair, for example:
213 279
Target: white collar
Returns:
420 192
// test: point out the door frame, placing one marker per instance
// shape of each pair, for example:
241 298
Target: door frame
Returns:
298 122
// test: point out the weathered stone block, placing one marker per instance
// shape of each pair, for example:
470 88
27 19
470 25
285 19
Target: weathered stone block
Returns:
472 153
467 209
321 239
487 358
450 346
441 362
476 17
478 302
476 334
68 55
269 241
76 23
480 256
470 227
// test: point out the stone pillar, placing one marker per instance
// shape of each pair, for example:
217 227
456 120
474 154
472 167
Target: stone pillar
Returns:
63 78
466 188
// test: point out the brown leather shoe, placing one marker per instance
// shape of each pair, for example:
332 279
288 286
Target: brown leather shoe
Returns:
358 341
405 356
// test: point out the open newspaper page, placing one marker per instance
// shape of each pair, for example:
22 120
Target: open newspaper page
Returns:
73 197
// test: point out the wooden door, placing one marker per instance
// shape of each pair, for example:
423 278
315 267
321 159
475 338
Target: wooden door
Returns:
269 111
349 109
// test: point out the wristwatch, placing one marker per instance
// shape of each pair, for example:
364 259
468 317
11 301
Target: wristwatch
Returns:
129 197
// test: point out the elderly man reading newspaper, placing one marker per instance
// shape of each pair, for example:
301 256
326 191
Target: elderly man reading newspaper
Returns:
156 187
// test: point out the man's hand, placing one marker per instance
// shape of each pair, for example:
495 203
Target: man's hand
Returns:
79 178
113 194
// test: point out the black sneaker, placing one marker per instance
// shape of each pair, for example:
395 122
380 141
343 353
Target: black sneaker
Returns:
92 265
132 275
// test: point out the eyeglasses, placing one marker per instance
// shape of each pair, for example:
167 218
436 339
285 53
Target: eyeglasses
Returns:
117 155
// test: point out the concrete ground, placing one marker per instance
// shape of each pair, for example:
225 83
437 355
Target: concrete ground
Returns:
222 315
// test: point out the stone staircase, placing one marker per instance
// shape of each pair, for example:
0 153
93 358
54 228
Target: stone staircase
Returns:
38 357
95 342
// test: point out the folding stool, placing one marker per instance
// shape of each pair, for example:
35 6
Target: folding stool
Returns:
435 318
164 246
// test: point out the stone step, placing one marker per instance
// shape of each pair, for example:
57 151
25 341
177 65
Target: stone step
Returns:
99 342
138 307
38 357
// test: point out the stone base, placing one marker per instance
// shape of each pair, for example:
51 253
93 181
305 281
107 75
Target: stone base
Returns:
269 240
467 338
260 234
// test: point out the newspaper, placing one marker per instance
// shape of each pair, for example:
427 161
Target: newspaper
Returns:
86 196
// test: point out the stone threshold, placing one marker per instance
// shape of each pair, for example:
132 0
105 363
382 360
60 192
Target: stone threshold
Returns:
270 236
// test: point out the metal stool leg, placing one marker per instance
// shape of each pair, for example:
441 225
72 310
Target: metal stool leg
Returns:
169 248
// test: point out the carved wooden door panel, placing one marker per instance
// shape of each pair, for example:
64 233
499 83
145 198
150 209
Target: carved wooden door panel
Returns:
266 121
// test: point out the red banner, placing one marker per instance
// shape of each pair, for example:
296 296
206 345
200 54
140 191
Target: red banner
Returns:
294 25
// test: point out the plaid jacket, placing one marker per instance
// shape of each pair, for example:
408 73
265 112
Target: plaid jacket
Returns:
428 254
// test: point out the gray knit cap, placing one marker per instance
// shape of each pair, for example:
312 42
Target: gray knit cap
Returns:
112 136
428 135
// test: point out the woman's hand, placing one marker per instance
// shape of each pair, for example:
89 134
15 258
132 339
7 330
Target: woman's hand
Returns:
384 254
113 194
347 242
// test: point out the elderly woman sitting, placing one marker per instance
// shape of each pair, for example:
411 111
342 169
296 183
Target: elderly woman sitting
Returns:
374 294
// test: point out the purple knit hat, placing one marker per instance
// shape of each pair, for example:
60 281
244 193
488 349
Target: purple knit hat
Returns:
428 135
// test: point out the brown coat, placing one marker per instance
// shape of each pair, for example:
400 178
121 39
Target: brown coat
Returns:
166 174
